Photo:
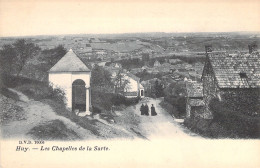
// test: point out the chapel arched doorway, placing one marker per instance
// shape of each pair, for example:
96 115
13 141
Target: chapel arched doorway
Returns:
78 95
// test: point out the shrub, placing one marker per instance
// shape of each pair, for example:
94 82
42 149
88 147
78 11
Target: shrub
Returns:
120 99
101 101
178 103
56 94
239 123
207 128
43 91
104 101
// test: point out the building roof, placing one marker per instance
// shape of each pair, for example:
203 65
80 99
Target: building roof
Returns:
174 60
236 71
196 102
157 62
194 89
133 76
116 65
88 45
141 86
70 62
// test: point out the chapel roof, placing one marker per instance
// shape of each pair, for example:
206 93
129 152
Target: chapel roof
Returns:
133 76
70 62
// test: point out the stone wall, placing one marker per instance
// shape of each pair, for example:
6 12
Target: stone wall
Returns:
198 111
209 88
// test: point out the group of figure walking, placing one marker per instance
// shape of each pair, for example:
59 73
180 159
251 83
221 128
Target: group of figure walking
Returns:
145 110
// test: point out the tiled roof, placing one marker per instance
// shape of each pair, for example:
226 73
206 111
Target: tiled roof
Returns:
236 71
196 102
70 62
133 76
194 89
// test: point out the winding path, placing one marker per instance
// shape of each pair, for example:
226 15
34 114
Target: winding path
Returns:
162 126
37 113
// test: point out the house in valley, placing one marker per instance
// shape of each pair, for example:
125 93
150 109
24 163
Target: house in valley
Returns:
157 63
72 76
115 65
225 74
174 61
134 88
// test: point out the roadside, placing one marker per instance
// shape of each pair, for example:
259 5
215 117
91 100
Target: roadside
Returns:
155 127
39 121
37 113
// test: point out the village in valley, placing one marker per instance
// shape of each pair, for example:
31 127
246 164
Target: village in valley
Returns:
71 87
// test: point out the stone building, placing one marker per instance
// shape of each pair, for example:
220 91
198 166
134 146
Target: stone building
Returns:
72 76
194 100
230 75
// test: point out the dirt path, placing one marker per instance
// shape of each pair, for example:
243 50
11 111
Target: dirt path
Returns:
161 126
132 124
38 113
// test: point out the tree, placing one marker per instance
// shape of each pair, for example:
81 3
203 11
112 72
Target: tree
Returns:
23 51
158 89
7 58
121 83
52 56
100 77
145 57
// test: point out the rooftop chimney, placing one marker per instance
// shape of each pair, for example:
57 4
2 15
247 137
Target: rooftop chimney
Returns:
208 48
252 48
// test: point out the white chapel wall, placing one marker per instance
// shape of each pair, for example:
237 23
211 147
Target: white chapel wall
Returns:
64 80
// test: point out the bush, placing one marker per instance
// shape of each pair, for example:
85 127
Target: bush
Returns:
178 103
101 101
43 91
207 128
104 101
238 123
120 99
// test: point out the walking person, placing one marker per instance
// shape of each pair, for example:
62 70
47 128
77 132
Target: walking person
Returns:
153 113
146 109
142 109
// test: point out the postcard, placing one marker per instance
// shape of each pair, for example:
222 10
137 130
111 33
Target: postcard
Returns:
130 83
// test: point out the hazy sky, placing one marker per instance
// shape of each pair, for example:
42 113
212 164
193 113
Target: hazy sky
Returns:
31 17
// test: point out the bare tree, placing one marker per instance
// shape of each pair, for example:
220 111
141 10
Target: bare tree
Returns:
121 82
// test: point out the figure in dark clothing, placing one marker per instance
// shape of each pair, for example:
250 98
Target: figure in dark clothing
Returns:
146 110
142 109
153 113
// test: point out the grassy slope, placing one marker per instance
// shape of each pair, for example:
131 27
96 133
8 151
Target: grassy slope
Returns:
53 130
9 110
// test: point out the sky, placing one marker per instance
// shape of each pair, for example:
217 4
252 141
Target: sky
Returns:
51 17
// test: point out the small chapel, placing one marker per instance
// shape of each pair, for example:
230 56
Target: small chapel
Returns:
72 76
